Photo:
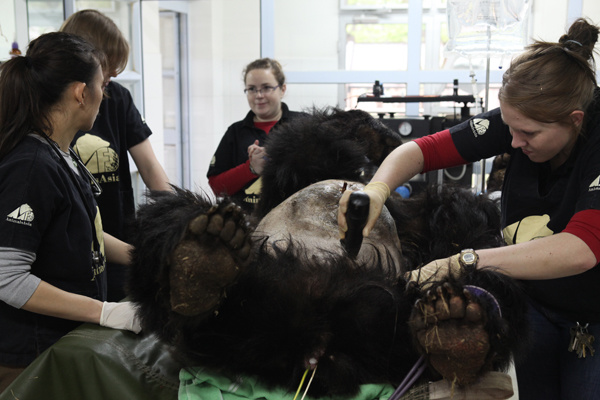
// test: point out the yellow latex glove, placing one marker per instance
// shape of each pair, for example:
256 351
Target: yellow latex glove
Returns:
435 271
378 193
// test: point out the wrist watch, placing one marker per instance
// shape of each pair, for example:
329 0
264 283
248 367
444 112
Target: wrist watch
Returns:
468 258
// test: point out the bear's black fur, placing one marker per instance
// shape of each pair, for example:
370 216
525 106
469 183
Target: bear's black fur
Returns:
333 144
289 309
439 222
326 144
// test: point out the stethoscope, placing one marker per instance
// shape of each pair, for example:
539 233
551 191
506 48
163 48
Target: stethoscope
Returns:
94 184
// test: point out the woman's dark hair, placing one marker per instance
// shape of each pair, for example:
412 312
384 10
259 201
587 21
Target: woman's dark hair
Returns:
551 80
32 85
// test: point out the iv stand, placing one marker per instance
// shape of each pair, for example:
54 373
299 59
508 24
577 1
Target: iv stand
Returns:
485 105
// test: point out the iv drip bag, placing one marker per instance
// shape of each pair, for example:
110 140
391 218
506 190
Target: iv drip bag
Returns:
487 27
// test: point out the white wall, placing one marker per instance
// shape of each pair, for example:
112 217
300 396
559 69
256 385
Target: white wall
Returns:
591 9
11 15
8 31
152 69
225 36
306 39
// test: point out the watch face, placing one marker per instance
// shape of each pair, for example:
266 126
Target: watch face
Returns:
468 258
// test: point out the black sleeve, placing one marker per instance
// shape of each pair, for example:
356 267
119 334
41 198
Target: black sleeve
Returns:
136 128
483 136
225 156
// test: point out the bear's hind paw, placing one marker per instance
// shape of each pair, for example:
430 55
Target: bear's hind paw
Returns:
449 325
209 258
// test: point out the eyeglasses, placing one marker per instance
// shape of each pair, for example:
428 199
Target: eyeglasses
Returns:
265 90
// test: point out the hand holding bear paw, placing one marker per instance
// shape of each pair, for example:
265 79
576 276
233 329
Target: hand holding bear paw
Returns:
435 271
120 316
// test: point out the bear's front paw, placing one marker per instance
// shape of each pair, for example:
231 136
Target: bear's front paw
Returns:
449 325
209 259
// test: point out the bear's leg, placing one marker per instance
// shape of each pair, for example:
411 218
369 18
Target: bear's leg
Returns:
449 325
208 259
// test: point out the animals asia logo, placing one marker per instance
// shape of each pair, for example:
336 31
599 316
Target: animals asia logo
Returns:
22 215
479 126
595 185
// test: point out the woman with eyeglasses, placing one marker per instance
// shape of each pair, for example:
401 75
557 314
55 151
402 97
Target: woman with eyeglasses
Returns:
238 162
52 248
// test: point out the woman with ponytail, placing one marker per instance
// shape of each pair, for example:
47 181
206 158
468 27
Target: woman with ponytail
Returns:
52 248
549 123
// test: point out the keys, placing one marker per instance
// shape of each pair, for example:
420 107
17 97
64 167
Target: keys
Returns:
581 341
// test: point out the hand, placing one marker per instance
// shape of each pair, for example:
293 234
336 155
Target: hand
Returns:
378 193
257 156
435 271
253 147
120 316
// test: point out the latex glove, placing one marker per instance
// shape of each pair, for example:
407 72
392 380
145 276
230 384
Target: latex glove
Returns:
435 271
120 316
378 193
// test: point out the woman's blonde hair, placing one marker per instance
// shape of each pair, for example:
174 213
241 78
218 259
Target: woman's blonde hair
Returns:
103 33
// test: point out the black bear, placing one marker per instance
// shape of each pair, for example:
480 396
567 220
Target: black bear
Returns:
276 294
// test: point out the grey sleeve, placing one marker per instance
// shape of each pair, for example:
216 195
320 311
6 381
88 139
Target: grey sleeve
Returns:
17 284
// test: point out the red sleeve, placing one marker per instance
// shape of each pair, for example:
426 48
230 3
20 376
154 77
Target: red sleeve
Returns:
586 226
231 181
439 151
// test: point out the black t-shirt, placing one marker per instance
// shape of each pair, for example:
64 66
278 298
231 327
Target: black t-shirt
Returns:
104 151
538 202
233 151
43 212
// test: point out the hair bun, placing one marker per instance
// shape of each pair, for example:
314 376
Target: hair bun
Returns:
28 61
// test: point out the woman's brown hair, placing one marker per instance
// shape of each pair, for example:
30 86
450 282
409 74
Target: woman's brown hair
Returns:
266 63
551 80
103 33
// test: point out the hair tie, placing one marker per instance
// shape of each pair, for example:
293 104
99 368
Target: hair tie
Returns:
573 41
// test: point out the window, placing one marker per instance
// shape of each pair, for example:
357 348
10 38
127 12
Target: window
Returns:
400 43
44 16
